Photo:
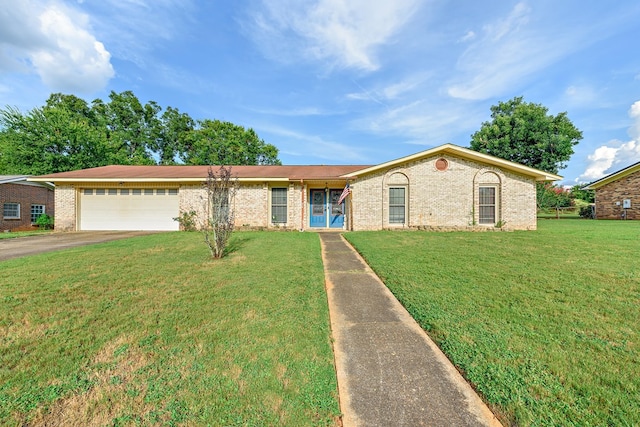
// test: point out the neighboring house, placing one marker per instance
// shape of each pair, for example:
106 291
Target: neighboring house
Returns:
447 187
23 202
618 194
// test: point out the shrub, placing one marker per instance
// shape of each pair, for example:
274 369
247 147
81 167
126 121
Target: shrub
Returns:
587 212
187 220
45 222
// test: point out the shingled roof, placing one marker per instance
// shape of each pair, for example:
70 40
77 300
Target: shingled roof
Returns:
199 173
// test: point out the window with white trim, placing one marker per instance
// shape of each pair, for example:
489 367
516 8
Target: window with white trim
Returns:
11 211
36 211
397 205
487 205
279 205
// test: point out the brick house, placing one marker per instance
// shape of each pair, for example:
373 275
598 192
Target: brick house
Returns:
447 187
618 194
23 202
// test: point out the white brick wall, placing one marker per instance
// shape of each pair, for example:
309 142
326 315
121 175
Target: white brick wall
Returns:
436 199
443 199
252 204
65 204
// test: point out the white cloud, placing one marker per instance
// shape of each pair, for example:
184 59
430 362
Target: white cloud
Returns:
389 92
506 51
581 95
299 144
615 155
470 35
296 112
344 34
634 113
424 122
55 42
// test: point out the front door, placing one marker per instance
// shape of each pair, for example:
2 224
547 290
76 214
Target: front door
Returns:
318 209
326 213
336 215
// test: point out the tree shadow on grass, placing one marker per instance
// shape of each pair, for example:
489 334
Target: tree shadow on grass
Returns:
237 242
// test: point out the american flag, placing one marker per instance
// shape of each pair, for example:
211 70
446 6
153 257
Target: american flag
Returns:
344 194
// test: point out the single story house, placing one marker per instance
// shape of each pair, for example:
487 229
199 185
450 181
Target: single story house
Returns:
618 194
23 201
447 187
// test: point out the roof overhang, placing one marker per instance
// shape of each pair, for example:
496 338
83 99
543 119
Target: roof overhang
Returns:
26 180
614 177
466 154
147 180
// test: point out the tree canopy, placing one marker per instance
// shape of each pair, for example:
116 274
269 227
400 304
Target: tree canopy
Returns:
67 133
525 133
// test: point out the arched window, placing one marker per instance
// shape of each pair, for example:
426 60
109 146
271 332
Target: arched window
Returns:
397 187
488 187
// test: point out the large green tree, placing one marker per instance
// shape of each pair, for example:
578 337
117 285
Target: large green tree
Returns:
67 133
525 133
50 139
215 142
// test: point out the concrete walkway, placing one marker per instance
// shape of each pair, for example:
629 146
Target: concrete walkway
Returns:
389 371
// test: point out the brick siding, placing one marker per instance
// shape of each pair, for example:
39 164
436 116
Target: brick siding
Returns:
25 194
66 196
437 200
443 199
609 198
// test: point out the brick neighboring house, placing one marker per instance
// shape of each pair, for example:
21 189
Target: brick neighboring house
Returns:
447 187
22 202
618 194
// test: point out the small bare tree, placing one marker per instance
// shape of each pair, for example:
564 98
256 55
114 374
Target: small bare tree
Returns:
221 189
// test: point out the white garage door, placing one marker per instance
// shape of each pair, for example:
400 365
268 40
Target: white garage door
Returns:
128 209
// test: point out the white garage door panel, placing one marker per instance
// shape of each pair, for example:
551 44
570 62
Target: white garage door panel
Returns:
128 212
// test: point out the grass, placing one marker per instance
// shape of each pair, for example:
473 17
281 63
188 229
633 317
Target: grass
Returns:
544 324
150 331
563 213
14 234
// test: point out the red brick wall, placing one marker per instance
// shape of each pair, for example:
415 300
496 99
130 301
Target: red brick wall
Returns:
26 195
617 191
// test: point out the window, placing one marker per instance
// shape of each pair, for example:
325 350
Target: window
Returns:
100 192
219 205
124 192
136 191
148 191
160 192
36 211
396 205
11 211
173 191
113 191
442 164
279 205
487 205
88 191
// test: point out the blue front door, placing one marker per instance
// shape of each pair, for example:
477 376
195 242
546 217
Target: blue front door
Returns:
326 213
318 217
336 210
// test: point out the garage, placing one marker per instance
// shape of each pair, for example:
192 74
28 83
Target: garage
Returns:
128 209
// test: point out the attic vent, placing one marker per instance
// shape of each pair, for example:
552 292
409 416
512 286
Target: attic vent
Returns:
442 164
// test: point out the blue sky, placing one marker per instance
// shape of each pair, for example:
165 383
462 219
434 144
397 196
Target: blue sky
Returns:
342 82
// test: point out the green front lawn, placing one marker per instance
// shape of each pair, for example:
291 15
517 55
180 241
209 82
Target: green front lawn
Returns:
150 331
545 324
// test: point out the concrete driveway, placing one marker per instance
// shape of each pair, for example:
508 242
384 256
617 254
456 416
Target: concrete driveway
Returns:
30 245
